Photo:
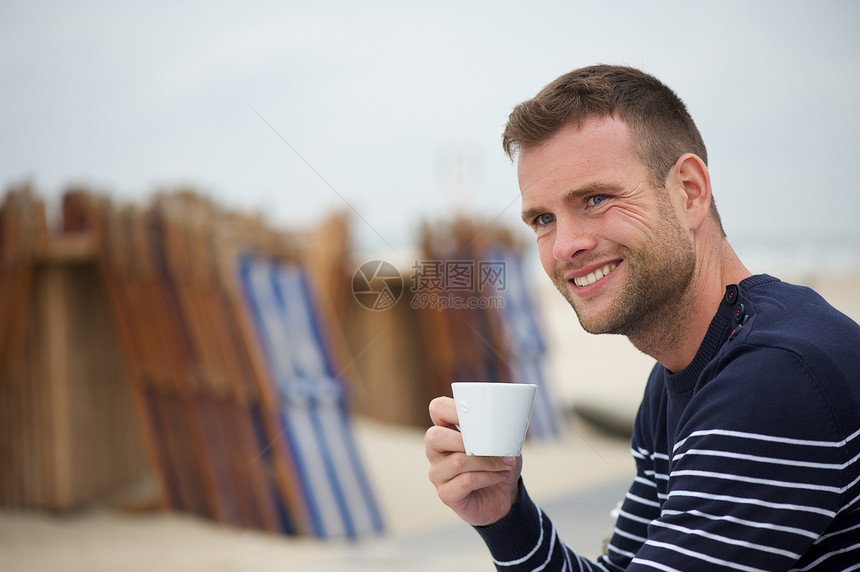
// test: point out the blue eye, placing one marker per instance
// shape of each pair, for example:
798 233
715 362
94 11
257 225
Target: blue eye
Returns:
597 199
545 218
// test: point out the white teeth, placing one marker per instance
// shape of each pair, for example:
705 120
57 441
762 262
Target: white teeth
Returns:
594 276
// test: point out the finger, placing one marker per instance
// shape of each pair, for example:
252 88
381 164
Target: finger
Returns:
455 490
442 441
443 412
445 468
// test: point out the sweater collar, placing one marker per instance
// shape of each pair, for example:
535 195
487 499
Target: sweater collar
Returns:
718 333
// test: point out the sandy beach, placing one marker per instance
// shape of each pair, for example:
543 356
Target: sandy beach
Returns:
421 533
577 478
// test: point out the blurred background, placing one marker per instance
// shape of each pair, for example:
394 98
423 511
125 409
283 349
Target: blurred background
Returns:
323 135
399 108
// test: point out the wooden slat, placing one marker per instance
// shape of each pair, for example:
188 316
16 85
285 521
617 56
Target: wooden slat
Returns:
57 448
98 218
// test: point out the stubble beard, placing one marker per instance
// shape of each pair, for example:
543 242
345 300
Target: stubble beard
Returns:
654 301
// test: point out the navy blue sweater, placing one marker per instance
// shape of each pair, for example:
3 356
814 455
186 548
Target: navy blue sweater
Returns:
746 460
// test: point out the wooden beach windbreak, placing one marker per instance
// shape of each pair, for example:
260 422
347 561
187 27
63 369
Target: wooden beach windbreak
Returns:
224 425
67 427
226 359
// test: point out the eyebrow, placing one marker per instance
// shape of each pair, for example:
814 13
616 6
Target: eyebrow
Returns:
571 196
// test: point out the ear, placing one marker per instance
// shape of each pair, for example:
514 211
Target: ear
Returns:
690 186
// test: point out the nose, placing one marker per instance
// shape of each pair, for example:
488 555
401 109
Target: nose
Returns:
570 240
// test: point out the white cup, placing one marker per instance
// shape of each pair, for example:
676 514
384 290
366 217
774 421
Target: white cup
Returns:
494 416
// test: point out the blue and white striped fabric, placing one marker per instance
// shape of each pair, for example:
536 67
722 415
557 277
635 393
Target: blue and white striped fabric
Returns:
315 422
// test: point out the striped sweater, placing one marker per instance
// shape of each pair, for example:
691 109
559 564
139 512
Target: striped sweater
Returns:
746 460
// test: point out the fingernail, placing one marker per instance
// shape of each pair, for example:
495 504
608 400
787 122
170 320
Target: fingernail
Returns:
510 461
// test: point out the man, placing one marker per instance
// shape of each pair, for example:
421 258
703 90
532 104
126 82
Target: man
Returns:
748 436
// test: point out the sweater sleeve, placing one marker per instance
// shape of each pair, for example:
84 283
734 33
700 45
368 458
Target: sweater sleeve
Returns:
526 540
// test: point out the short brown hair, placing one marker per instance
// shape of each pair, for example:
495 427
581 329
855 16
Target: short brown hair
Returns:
659 122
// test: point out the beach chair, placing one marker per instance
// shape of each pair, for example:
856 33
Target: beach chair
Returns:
314 419
238 233
187 224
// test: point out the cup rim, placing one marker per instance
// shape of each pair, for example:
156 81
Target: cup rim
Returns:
496 383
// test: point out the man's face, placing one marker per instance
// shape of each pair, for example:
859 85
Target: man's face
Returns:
611 243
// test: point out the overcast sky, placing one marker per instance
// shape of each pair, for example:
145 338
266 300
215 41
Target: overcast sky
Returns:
394 109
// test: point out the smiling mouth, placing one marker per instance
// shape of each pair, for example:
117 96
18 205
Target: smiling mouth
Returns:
593 277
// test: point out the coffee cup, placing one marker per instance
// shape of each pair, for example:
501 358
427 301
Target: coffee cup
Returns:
493 416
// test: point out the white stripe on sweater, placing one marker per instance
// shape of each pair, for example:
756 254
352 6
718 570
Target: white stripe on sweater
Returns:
745 522
772 460
757 502
769 438
653 564
727 540
828 555
757 481
533 550
705 557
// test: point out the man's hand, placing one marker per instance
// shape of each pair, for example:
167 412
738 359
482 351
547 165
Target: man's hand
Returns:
481 490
